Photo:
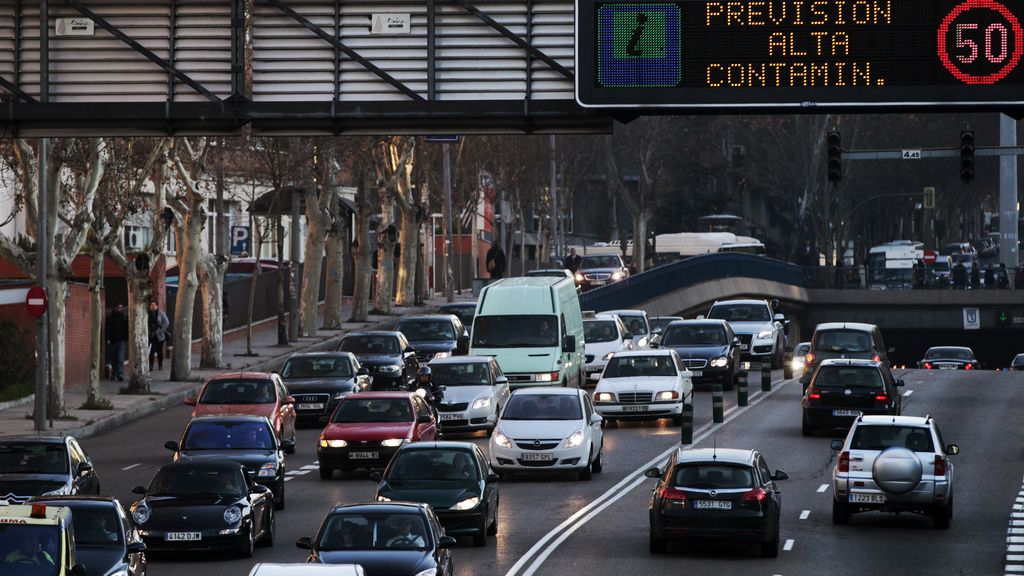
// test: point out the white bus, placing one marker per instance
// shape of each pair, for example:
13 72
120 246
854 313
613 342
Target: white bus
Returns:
891 265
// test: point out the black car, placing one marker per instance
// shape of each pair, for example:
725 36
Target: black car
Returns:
43 465
106 541
843 390
248 440
435 336
388 356
708 348
844 340
454 478
204 506
600 270
319 380
949 358
393 538
466 311
716 493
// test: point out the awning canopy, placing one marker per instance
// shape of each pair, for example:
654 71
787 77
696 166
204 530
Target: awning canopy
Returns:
279 202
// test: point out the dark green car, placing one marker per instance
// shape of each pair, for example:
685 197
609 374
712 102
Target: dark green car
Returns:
454 478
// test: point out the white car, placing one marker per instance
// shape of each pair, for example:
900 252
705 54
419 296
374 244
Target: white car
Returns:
604 335
762 332
548 430
637 323
644 385
475 390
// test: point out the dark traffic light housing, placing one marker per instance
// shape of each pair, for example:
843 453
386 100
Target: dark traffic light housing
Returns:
967 155
833 145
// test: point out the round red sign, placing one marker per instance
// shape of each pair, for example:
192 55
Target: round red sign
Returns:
35 301
930 256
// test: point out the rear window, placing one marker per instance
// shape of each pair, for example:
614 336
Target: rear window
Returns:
950 353
717 476
913 438
848 377
238 392
843 341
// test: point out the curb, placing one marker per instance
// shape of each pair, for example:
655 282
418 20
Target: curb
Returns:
19 402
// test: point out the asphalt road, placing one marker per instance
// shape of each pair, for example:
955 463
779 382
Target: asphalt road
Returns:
560 525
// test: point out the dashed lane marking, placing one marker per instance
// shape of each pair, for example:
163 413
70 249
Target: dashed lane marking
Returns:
822 488
1015 538
130 467
788 545
805 514
908 393
310 467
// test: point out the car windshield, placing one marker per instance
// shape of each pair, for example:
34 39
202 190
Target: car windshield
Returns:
740 313
639 366
370 345
432 465
36 547
349 531
516 331
238 392
542 407
802 349
595 331
843 341
949 353
468 374
600 262
941 266
694 336
33 458
96 526
318 367
185 481
360 410
1018 360
427 330
848 377
713 476
205 435
913 438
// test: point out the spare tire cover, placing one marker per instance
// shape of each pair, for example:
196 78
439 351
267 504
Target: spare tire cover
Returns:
896 470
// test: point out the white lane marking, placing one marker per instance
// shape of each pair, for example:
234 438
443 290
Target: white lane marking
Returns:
805 514
788 545
287 478
822 488
297 472
907 393
549 543
130 467
310 467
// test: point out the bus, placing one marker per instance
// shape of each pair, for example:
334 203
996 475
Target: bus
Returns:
891 265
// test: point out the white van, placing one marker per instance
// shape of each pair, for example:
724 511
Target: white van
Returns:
534 328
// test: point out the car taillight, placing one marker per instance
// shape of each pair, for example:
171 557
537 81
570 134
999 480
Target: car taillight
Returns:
814 395
881 398
757 494
968 366
672 498
844 462
927 365
940 465
876 358
809 358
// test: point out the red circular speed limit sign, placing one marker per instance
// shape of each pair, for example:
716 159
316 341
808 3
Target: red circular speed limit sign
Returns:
35 301
980 42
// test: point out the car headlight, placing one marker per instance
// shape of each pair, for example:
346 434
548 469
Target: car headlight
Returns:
390 369
481 403
608 356
764 334
267 470
467 504
617 275
501 440
604 397
428 572
232 515
573 441
383 498
719 362
333 443
667 395
141 514
442 355
578 277
393 442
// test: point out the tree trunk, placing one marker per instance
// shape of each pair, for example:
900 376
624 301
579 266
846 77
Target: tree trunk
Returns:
382 300
211 272
140 290
640 220
190 236
96 329
361 256
315 239
282 287
410 241
335 264
56 291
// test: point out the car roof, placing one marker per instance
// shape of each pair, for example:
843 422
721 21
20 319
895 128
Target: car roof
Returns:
714 455
229 418
33 439
741 301
461 360
393 333
381 507
701 322
950 348
241 376
890 420
644 352
426 317
626 312
441 445
538 390
855 362
380 394
844 326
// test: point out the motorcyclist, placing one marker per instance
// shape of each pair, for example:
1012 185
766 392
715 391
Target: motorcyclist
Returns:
432 393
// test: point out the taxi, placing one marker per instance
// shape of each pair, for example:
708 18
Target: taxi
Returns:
37 540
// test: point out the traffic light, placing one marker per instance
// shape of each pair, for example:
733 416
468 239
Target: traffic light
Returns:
835 156
967 155
929 197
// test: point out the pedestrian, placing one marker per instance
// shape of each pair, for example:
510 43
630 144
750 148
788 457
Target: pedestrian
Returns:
496 262
1003 280
117 340
225 303
1018 277
574 261
158 324
975 277
959 275
840 277
918 274
990 277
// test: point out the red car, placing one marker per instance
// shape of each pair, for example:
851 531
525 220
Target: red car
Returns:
255 393
367 428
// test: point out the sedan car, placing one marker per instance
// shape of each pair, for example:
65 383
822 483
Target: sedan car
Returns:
644 385
466 311
604 335
949 358
435 335
637 323
716 493
708 348
319 380
106 541
843 390
762 333
204 506
393 538
369 427
548 429
254 393
248 440
475 390
599 270
454 478
44 465
388 356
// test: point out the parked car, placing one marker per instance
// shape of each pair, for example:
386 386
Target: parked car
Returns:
387 355
548 429
393 538
1017 363
37 465
659 323
204 506
255 393
466 311
716 493
637 323
435 336
319 380
708 348
454 478
368 428
949 358
843 390
604 335
644 385
799 361
106 541
247 440
844 340
475 390
761 330
600 270
894 464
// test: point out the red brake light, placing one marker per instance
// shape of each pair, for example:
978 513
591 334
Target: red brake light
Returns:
876 358
670 493
38 511
844 462
927 365
969 366
940 465
757 494
809 358
814 395
881 398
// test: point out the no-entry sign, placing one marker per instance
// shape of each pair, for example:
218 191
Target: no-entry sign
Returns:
35 301
930 256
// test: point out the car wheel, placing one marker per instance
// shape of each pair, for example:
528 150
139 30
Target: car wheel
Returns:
770 549
480 538
270 533
586 473
598 465
326 473
658 545
942 516
245 547
279 497
840 512
805 427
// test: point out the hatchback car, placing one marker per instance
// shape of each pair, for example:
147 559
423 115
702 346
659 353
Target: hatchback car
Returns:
548 429
842 390
644 385
637 323
106 541
255 393
475 390
388 356
604 335
319 380
41 465
949 358
435 336
844 340
894 465
716 493
708 348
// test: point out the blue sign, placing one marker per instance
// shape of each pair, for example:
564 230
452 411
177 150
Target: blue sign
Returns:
241 241
450 138
638 45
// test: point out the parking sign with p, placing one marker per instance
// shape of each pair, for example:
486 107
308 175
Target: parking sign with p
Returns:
241 242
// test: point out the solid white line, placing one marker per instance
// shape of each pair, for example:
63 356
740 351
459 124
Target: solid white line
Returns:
805 514
130 467
788 545
908 393
822 488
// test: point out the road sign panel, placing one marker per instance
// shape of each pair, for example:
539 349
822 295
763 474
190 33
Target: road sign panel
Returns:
241 242
930 256
35 301
450 138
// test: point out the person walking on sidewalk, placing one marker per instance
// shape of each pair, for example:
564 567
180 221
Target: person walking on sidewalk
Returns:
117 340
158 324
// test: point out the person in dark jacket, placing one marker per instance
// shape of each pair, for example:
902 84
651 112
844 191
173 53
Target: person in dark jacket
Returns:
959 276
1003 277
496 262
158 324
574 261
975 277
990 277
117 340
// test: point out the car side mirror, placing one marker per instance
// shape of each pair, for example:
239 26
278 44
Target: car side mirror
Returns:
376 476
569 343
780 475
627 336
135 547
139 490
288 400
78 570
492 478
700 317
900 382
837 444
171 445
425 419
363 371
190 399
596 418
84 467
952 449
410 350
779 318
652 473
656 331
306 543
446 542
261 489
501 379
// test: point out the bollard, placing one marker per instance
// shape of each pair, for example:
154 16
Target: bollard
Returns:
766 376
686 430
717 411
741 389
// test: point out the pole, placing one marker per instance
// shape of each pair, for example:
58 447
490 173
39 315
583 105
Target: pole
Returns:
553 245
741 389
293 240
717 404
686 430
766 376
1008 210
449 281
42 249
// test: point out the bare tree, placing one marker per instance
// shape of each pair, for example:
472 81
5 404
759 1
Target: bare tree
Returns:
397 155
320 194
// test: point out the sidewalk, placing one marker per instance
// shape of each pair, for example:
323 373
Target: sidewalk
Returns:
16 417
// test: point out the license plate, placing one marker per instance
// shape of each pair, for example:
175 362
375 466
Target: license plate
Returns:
183 536
594 375
447 417
309 406
363 455
744 347
537 457
868 498
697 373
712 504
634 408
597 282
947 366
853 413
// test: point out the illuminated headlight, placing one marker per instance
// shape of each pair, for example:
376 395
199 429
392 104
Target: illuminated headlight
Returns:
578 277
573 441
442 355
604 397
719 362
608 356
232 515
797 363
393 442
390 369
481 403
617 275
383 498
141 514
332 443
267 470
501 440
667 395
467 504
764 334
428 572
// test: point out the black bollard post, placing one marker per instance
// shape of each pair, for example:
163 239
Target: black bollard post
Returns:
717 411
686 430
741 389
766 376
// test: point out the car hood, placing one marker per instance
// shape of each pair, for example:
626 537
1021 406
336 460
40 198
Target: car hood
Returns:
523 360
458 394
384 562
706 352
251 459
310 385
440 494
636 383
246 409
540 428
30 484
187 513
197 501
99 560
367 430
432 346
751 327
379 359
